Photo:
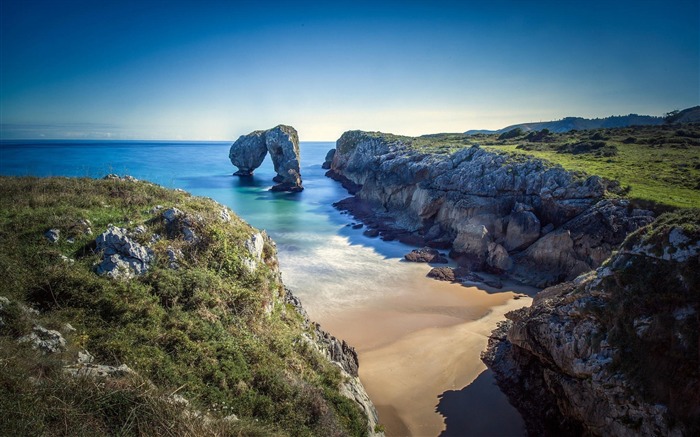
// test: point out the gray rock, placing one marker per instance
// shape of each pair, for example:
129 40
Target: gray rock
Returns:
248 152
498 258
171 215
254 246
179 223
283 145
443 197
4 303
90 370
282 142
122 257
174 256
53 235
45 340
494 283
523 229
329 159
570 362
85 357
116 177
473 242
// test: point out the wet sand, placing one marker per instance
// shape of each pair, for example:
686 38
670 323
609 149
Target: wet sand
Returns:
417 341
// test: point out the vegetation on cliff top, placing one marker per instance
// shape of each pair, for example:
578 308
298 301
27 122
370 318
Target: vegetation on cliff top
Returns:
652 315
659 165
202 331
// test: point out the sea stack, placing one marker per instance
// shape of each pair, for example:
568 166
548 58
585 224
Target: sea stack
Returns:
282 142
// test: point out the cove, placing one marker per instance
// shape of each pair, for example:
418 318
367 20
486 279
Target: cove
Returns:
418 339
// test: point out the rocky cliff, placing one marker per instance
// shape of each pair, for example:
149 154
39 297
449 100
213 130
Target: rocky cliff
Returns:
614 352
171 318
538 223
282 143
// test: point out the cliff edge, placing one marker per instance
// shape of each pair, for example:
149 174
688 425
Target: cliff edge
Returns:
130 309
614 352
505 214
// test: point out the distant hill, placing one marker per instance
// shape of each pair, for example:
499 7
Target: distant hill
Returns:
690 115
578 123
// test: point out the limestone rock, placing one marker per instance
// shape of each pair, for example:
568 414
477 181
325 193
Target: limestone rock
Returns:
425 255
472 244
248 152
498 258
523 229
98 370
594 356
329 158
179 223
282 142
52 235
254 246
122 257
441 198
45 340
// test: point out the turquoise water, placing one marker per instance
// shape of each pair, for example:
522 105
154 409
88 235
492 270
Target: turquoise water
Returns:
330 266
313 239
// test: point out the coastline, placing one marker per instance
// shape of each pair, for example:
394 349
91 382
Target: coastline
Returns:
419 342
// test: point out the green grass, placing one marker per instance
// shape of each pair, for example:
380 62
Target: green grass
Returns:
201 330
659 164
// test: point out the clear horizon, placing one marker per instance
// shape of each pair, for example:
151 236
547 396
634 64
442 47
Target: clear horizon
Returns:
185 71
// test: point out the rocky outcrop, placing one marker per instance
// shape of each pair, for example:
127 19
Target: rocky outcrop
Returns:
328 160
614 352
282 143
343 355
45 340
248 152
122 257
425 255
492 210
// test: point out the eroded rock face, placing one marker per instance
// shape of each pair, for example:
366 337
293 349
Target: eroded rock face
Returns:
282 142
594 356
283 145
489 209
248 152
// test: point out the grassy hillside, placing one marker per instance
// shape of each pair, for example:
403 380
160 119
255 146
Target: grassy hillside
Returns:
210 331
659 164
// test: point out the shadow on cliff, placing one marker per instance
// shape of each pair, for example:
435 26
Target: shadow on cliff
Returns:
479 409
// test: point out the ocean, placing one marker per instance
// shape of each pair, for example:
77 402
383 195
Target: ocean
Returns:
332 267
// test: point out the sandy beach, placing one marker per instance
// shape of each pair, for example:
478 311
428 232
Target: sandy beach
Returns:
418 342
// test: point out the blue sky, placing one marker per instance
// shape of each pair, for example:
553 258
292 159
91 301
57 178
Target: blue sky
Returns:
184 70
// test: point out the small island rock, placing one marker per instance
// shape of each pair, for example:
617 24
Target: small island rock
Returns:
282 142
